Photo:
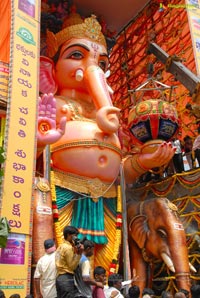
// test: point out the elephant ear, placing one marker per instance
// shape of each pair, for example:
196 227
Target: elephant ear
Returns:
138 229
47 82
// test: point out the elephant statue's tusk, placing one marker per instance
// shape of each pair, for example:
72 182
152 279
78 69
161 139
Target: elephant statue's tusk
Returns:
110 89
79 75
168 261
192 268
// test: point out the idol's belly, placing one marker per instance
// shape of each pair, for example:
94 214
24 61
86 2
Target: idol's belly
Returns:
87 151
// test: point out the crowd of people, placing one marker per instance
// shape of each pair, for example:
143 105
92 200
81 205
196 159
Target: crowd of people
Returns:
65 272
186 158
187 150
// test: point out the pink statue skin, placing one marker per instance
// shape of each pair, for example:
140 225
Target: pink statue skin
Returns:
77 118
80 121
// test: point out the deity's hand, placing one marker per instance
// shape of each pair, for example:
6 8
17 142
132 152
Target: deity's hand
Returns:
47 132
138 164
160 157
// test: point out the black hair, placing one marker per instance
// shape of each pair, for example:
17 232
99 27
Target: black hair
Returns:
99 270
87 243
2 294
186 138
184 291
195 291
15 296
148 291
165 294
134 291
113 279
69 230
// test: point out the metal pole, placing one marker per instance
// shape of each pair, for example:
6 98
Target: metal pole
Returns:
46 159
126 261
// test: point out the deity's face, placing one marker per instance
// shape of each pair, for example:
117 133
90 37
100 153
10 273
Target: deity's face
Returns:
78 54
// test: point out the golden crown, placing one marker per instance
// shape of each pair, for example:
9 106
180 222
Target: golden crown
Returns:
75 27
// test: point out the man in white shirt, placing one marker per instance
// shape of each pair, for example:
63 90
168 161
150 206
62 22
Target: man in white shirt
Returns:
45 273
114 286
83 272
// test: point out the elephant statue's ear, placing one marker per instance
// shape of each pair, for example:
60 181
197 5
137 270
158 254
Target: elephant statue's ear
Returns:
47 82
138 229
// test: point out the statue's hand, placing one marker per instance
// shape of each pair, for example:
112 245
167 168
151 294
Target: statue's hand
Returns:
160 157
48 132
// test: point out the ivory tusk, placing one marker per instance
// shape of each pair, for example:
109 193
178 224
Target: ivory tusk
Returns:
168 261
192 268
79 75
110 89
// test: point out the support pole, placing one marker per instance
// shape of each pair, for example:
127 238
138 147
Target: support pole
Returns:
126 261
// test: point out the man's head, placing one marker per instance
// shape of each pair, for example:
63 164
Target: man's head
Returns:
179 295
100 274
115 280
69 232
134 292
88 248
185 292
195 291
49 246
2 295
166 294
148 291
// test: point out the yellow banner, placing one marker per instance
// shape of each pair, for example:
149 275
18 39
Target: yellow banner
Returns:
193 10
20 145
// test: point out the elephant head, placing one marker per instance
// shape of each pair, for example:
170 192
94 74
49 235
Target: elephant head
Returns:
78 71
156 232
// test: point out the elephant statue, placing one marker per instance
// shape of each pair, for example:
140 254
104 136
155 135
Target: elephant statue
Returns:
156 232
77 118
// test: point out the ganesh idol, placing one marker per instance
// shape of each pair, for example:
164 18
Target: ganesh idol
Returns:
79 122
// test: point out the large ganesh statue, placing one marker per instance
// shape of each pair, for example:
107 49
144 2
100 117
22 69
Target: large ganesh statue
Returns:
78 120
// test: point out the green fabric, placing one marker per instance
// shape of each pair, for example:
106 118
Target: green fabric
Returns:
88 216
64 197
4 231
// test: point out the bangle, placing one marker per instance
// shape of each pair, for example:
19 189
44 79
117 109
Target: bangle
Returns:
140 165
135 165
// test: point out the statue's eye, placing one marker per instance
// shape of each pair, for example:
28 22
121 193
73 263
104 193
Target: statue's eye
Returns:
103 65
75 55
162 233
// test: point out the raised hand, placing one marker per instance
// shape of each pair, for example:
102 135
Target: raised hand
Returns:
48 132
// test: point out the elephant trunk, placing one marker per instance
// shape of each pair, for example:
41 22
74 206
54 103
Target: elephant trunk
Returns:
179 255
107 115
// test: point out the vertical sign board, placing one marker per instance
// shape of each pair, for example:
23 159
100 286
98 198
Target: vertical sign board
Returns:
20 143
193 10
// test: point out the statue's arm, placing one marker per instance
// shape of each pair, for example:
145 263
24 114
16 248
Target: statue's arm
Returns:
138 164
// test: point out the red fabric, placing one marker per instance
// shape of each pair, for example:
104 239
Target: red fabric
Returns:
97 292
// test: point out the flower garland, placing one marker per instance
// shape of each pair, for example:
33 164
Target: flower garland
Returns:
55 211
115 261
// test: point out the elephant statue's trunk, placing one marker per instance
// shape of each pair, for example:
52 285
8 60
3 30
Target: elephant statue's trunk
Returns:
107 115
179 252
